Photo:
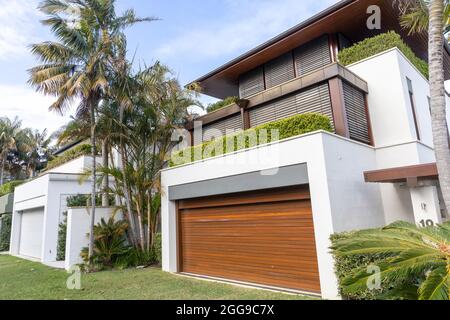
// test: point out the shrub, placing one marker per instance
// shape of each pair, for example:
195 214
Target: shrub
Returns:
5 232
157 248
220 104
109 243
289 127
372 46
62 235
9 187
78 151
83 200
346 264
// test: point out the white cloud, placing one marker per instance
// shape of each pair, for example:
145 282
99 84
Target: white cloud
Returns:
17 27
31 107
250 23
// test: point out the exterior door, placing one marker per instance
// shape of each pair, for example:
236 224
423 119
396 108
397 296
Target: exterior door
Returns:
264 237
31 233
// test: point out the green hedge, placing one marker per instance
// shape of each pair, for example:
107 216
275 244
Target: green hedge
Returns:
345 265
9 187
83 200
62 235
220 104
5 232
378 44
78 151
289 127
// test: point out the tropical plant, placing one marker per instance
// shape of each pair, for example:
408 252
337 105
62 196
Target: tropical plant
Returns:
109 242
433 15
10 136
76 66
39 151
416 259
152 106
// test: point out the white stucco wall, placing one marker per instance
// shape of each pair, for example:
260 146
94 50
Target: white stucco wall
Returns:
78 165
393 123
46 191
340 199
78 224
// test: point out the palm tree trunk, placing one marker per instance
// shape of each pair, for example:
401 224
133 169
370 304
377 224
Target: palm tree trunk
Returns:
437 98
2 171
105 181
123 163
94 167
149 220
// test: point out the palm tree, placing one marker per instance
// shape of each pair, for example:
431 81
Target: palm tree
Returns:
434 16
38 150
152 106
412 255
75 67
9 134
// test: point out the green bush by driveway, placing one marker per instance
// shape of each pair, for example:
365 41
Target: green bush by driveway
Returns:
21 279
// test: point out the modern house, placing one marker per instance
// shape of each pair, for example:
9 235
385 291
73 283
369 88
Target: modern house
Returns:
263 215
39 206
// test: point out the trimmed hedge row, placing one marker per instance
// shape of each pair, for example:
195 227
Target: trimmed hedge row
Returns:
378 44
9 187
78 151
220 104
286 128
5 232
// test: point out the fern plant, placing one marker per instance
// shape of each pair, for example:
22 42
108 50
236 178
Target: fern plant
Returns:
413 255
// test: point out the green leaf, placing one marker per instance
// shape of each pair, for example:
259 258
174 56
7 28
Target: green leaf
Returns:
436 285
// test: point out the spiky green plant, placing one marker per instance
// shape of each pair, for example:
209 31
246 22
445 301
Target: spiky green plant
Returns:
413 255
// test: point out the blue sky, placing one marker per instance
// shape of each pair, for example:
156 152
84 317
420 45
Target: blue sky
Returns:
192 38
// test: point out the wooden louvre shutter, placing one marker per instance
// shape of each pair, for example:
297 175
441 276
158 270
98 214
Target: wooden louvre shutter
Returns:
279 70
314 99
219 128
355 107
251 83
312 56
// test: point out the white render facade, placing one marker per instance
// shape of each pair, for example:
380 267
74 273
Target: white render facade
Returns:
341 200
38 209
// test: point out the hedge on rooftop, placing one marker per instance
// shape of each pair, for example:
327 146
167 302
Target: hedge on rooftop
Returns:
380 43
9 187
76 152
286 128
221 104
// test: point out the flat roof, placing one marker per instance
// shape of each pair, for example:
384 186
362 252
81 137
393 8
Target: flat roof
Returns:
347 16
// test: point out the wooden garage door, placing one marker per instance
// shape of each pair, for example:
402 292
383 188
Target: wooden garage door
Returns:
264 237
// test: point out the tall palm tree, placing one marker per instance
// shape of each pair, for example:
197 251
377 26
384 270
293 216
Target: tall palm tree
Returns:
75 67
412 255
38 145
9 134
434 16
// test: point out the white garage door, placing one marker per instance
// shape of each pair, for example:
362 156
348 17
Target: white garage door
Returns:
31 233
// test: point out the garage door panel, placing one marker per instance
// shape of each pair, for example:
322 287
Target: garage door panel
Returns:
270 243
31 230
275 278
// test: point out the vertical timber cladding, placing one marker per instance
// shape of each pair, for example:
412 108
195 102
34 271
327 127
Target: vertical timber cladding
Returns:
355 107
219 128
264 237
313 99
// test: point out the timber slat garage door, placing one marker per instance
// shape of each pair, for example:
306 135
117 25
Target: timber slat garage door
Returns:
264 237
31 233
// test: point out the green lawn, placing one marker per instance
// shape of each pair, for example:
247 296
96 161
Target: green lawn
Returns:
22 279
